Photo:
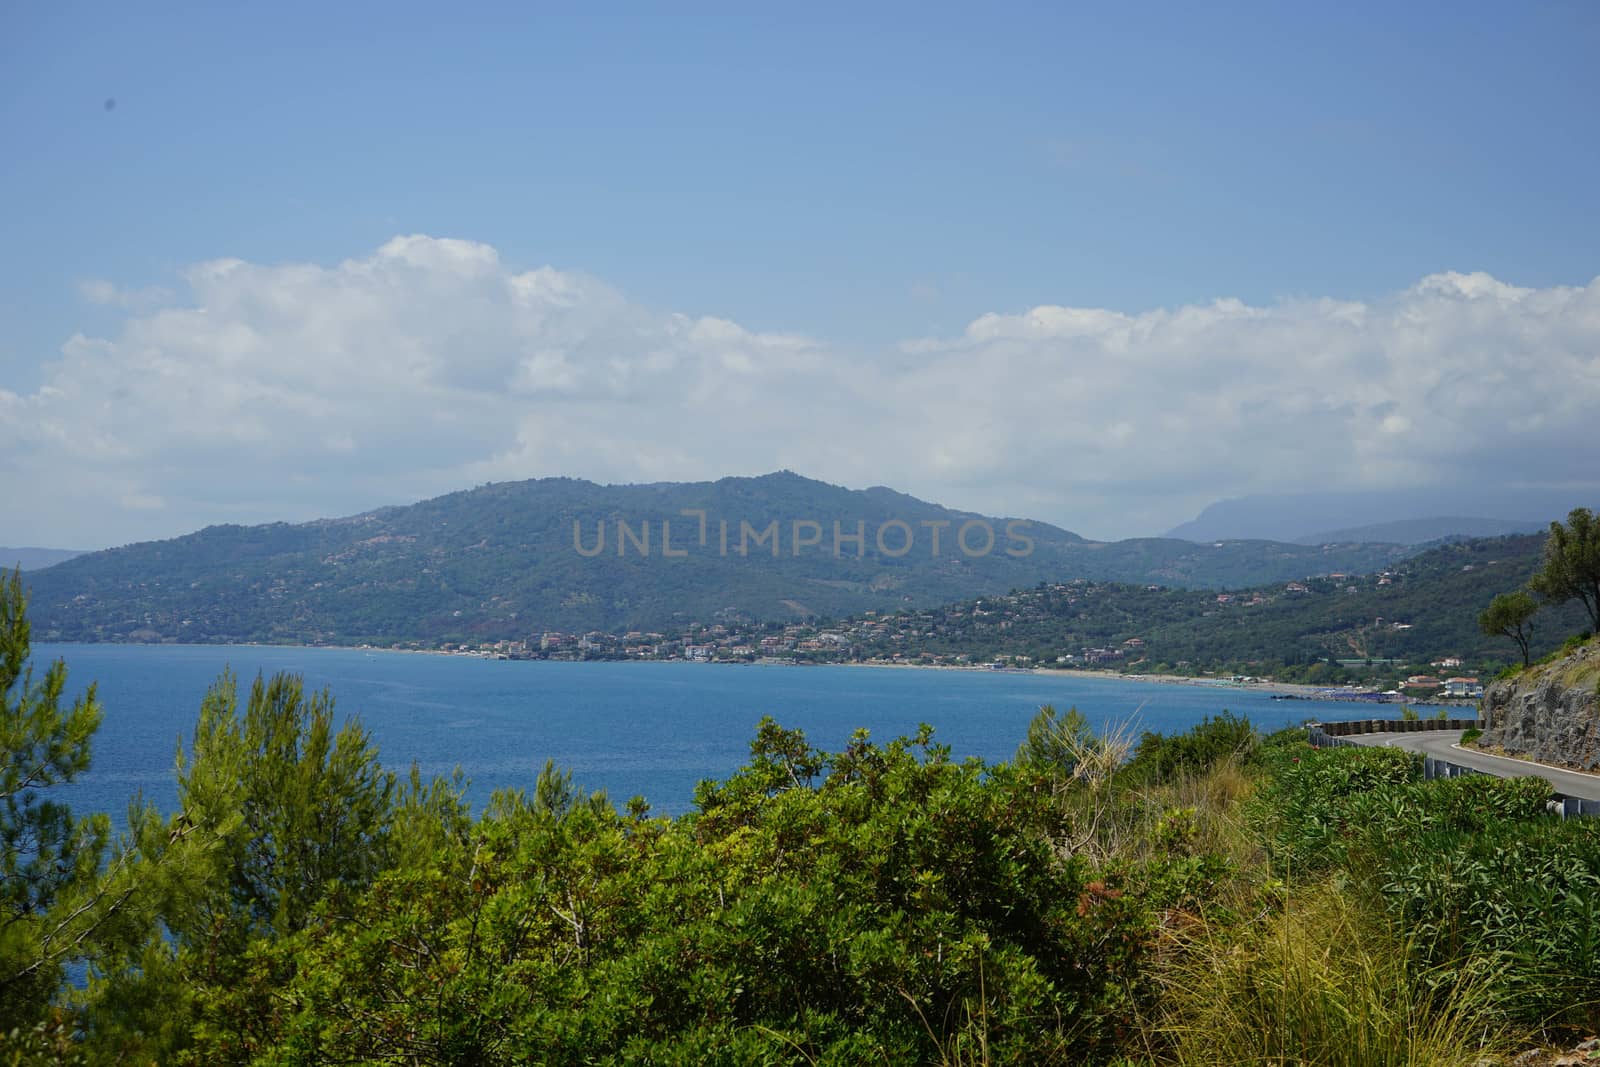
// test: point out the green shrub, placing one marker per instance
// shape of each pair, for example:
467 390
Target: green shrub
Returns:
1338 804
1302 809
1290 737
1481 879
879 904
1159 759
1470 804
1470 735
1518 898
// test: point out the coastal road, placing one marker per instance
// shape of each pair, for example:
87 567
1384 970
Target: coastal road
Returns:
1439 744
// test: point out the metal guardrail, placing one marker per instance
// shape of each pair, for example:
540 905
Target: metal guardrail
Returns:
1433 767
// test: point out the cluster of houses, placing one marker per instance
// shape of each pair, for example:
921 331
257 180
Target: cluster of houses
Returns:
873 637
954 635
696 642
1457 688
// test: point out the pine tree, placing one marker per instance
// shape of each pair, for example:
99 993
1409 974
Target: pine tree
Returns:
49 860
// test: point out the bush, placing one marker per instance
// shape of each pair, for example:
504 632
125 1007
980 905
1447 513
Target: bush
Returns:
1520 900
1160 759
1470 804
882 903
1290 737
1302 809
1482 880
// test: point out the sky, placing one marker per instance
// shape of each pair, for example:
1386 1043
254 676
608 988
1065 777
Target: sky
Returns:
1094 266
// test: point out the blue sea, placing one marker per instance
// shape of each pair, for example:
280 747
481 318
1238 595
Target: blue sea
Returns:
649 729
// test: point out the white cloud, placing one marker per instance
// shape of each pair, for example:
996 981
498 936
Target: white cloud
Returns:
295 390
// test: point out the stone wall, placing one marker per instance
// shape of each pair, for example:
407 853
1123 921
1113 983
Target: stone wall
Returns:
1550 712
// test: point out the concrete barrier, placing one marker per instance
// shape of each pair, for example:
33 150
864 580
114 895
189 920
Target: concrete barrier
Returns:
1393 726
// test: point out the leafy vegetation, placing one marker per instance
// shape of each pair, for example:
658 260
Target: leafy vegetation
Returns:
1228 738
1213 897
1571 565
51 859
1480 877
1509 615
70 896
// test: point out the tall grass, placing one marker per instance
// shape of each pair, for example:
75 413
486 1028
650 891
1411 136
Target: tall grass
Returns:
1313 982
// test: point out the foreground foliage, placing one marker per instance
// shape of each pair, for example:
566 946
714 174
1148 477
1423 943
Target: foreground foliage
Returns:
883 902
1317 981
1478 875
1215 897
50 860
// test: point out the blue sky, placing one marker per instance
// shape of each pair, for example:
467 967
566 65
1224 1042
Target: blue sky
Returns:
865 181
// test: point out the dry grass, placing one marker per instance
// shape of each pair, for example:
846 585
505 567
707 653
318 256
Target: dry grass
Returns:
1312 983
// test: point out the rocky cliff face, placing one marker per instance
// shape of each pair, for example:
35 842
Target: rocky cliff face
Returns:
1551 712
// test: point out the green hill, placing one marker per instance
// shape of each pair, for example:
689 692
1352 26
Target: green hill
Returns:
502 561
1417 610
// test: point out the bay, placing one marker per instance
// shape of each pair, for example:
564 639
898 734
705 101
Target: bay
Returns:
649 729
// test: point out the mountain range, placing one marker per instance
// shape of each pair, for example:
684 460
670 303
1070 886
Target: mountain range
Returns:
1410 516
1424 531
509 559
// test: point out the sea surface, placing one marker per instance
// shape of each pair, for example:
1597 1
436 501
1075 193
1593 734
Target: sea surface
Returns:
648 729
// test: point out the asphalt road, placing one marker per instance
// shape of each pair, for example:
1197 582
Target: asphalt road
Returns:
1438 743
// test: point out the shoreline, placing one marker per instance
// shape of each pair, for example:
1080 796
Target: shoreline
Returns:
1294 690
1290 689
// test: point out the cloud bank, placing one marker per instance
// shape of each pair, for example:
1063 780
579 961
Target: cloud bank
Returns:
259 392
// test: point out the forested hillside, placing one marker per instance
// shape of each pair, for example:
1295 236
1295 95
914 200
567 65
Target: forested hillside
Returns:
1418 610
503 561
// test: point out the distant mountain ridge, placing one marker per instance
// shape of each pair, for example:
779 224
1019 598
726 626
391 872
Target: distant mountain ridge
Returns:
1300 517
1424 531
33 559
510 559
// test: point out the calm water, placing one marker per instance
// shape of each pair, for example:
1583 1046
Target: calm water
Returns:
653 729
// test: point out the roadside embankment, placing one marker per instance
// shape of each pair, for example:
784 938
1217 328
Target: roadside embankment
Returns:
1549 712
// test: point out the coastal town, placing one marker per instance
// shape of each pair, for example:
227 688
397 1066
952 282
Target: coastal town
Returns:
1019 631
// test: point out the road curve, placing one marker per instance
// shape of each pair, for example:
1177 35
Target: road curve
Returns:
1440 745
